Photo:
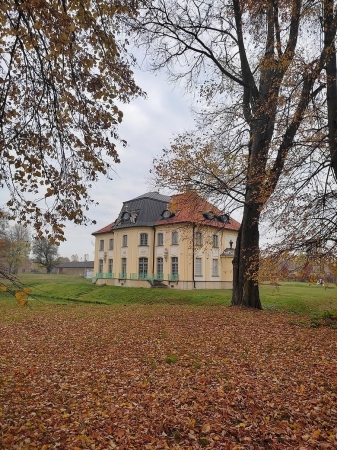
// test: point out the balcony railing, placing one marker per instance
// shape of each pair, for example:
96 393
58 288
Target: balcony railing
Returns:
104 275
108 275
141 276
122 276
159 276
173 277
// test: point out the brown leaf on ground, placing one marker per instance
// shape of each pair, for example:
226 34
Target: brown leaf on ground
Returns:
93 377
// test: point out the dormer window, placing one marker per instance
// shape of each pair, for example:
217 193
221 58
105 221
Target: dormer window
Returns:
126 216
224 218
209 215
167 214
133 217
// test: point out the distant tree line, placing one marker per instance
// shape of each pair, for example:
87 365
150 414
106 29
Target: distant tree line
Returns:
16 245
298 267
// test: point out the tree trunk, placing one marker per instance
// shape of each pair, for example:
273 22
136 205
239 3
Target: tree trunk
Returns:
331 68
246 260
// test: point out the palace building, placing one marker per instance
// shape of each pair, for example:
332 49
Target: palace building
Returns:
179 241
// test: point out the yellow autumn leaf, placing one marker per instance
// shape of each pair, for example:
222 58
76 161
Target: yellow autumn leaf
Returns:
316 434
191 423
3 288
21 298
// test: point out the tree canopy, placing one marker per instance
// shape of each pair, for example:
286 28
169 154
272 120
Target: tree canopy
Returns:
45 254
64 72
259 69
14 246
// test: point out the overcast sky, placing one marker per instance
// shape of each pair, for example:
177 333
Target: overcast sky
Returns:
148 126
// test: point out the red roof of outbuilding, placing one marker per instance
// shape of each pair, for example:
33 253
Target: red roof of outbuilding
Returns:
189 208
106 229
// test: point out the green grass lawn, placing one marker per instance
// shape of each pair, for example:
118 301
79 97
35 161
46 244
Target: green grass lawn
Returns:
298 298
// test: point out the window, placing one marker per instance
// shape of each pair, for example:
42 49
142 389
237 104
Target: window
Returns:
174 263
143 264
160 266
198 238
100 265
198 267
125 240
215 268
160 239
124 267
175 238
215 241
110 265
143 238
111 244
101 244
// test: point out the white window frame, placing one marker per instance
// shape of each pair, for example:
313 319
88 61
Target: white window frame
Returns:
144 237
198 267
198 238
124 262
111 244
143 266
215 241
100 265
215 267
174 265
175 238
101 244
125 240
160 266
160 239
110 265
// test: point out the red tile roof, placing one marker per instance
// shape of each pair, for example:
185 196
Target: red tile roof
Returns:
188 208
106 229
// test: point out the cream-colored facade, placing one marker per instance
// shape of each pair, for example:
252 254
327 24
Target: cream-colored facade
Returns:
178 255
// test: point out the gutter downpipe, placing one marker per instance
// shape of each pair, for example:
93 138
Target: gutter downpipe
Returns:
153 251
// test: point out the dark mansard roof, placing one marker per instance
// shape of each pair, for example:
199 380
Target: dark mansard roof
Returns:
142 211
153 208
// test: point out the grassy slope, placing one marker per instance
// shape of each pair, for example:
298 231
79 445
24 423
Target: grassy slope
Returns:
299 298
